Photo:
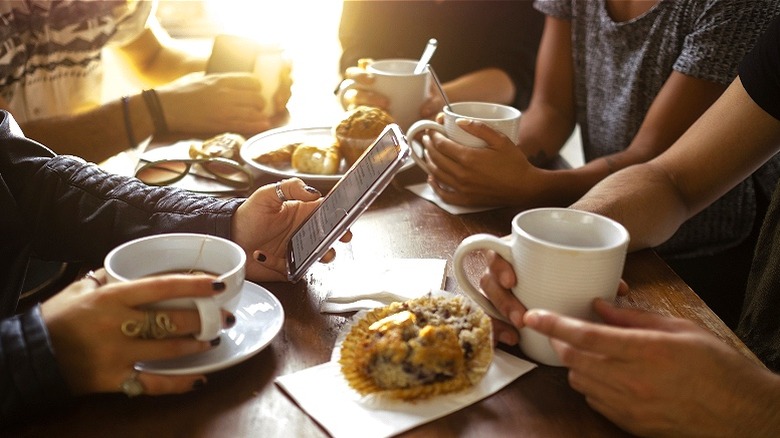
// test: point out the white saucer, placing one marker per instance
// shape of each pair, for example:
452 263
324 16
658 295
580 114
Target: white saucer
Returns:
259 318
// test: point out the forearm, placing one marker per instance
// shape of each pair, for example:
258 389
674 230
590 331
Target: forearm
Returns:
96 134
156 59
643 199
486 85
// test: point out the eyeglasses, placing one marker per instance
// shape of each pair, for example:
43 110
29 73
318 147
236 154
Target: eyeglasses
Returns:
167 172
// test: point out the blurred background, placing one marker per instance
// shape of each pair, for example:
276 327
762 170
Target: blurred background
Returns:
306 29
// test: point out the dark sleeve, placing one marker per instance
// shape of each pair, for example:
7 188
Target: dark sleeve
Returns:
30 379
760 70
71 210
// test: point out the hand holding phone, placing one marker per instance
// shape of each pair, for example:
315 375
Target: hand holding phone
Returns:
350 197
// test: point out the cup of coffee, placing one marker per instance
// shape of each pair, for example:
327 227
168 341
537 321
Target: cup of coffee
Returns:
184 253
563 260
395 78
502 118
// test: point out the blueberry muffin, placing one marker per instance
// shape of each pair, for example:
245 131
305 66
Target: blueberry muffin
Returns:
419 348
359 128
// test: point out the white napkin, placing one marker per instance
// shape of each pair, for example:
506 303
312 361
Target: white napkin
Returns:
367 284
425 191
342 412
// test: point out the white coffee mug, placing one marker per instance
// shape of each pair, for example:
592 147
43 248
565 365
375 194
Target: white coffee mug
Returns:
395 78
502 118
563 260
181 253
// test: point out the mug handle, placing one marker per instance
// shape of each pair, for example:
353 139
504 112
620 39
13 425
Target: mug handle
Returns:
210 318
411 133
344 86
471 244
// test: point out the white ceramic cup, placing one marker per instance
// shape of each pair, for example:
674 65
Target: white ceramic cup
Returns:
502 118
563 260
395 78
183 252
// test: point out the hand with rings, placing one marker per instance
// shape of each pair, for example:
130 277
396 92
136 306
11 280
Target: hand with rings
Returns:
263 224
99 336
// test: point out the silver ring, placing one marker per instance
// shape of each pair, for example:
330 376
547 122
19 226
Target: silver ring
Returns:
280 193
91 276
131 386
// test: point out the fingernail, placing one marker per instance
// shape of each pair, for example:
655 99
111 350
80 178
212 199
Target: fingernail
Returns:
198 384
516 317
218 285
230 321
260 257
214 342
311 189
463 122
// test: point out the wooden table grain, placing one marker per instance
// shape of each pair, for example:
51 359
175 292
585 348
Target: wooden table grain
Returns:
243 400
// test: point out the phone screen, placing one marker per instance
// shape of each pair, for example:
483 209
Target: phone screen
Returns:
348 198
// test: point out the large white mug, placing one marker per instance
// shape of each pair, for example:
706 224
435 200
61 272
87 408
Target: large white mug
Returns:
502 118
563 260
184 253
396 79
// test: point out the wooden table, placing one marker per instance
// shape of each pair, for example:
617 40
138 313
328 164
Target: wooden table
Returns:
244 401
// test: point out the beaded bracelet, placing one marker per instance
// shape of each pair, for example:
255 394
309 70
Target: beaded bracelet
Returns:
128 122
155 111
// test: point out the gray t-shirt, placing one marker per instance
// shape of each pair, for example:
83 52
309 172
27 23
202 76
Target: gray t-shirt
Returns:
621 66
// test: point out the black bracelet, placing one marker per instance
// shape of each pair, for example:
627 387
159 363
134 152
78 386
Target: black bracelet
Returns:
128 122
155 111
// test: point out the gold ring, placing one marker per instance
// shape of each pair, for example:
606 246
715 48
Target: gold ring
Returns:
280 193
155 325
91 276
131 386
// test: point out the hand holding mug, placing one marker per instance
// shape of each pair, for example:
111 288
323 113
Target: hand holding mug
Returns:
85 320
563 259
393 80
502 118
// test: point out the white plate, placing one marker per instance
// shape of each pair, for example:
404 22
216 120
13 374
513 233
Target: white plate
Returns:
276 138
259 318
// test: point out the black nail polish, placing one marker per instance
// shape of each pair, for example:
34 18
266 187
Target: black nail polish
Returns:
218 285
260 257
214 342
198 384
311 189
230 320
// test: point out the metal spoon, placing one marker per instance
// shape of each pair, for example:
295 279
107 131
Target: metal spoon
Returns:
438 85
426 55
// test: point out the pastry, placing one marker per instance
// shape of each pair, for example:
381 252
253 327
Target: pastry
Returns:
227 145
358 129
419 348
316 159
279 158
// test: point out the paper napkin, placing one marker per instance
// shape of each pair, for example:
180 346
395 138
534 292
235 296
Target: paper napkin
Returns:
368 284
425 191
342 412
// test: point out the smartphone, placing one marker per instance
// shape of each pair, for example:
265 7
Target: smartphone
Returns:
350 197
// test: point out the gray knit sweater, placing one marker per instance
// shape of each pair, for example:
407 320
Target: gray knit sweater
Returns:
621 67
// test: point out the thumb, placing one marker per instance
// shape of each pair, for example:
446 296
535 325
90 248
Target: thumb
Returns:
295 188
493 138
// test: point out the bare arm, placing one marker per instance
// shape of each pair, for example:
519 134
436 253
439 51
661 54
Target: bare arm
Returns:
549 120
156 59
728 143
